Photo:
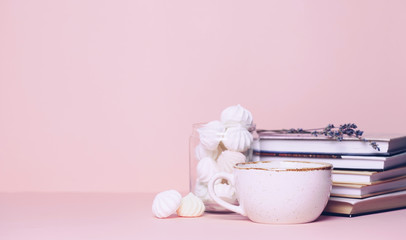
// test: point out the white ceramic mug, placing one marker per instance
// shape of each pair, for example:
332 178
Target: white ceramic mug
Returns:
279 192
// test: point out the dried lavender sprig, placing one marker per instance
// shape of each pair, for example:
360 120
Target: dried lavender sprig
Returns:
331 131
349 129
298 130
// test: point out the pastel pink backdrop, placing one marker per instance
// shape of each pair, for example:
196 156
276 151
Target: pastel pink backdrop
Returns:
101 95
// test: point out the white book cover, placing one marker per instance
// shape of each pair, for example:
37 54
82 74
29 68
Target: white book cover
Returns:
339 161
306 143
353 207
363 191
366 177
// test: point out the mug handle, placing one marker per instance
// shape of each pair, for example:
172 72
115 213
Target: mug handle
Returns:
230 178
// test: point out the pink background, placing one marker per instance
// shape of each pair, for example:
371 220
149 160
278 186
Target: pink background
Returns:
101 95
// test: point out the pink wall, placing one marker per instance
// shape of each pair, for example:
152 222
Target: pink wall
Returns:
101 95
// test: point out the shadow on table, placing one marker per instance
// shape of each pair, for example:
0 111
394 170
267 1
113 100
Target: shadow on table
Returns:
226 216
238 217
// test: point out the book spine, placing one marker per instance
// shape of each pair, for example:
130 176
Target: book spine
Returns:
296 155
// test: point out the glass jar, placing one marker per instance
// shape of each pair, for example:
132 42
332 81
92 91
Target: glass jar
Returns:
215 149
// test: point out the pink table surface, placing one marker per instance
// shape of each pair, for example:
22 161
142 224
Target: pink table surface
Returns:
128 216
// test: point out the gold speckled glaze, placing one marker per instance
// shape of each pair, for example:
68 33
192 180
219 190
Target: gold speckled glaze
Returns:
324 166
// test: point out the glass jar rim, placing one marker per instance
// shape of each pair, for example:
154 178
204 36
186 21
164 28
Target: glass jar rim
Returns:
250 127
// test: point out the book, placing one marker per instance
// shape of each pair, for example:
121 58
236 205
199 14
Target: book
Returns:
354 207
339 161
270 141
363 191
367 177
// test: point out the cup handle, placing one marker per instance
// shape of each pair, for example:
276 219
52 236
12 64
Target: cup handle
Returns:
230 178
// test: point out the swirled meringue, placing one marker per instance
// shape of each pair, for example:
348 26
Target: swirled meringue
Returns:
202 152
237 139
225 192
191 206
211 134
228 159
201 191
206 168
166 203
236 115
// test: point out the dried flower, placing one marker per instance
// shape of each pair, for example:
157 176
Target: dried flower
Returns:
299 130
375 146
330 131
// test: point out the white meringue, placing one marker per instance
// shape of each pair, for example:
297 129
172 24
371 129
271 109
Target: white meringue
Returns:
228 159
166 203
236 115
237 139
211 134
206 168
225 192
191 206
202 152
201 191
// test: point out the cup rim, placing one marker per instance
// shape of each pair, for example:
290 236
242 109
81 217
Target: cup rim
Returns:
325 166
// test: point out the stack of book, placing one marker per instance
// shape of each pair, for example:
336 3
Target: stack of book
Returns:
365 179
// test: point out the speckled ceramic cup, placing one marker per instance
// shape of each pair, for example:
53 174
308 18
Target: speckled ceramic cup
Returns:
278 192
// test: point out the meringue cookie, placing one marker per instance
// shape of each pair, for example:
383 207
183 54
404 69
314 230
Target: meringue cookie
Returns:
236 115
225 192
237 139
166 203
191 206
228 159
202 152
206 168
211 134
201 191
